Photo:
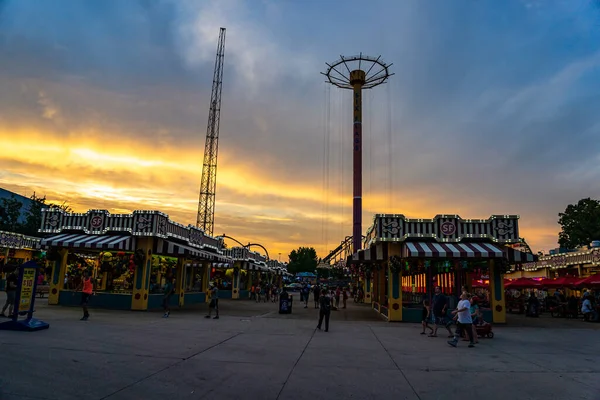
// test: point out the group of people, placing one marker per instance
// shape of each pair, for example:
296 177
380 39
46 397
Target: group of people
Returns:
264 292
336 294
466 316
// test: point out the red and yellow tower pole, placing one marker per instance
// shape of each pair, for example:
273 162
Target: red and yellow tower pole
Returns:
357 80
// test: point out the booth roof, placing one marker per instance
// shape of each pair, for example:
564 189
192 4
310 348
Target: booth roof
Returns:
464 250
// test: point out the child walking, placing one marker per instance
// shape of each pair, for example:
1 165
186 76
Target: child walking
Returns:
426 317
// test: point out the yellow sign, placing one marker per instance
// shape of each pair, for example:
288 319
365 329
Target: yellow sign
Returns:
27 289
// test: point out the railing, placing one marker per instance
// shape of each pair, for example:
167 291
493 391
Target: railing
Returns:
381 310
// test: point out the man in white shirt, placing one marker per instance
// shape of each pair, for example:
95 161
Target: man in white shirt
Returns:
464 323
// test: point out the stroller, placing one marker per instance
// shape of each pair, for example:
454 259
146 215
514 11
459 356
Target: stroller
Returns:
484 330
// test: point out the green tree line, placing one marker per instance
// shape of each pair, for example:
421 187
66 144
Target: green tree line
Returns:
10 213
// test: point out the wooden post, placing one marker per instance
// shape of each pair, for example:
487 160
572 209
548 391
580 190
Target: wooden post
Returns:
57 281
180 280
141 278
497 300
394 289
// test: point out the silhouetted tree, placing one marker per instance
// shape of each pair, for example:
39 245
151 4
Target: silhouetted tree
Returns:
33 217
304 259
10 211
580 223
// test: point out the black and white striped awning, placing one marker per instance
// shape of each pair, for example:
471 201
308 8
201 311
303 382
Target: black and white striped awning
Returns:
83 241
169 248
376 253
252 266
221 265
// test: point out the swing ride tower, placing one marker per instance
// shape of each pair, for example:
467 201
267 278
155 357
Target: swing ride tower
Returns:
357 73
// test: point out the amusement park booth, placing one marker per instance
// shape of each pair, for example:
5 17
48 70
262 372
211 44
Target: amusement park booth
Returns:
130 256
15 249
250 268
404 259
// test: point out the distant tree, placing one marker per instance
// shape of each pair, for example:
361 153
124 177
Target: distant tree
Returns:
33 218
10 211
304 259
580 223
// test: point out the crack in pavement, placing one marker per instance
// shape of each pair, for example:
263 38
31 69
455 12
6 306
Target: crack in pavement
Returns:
169 366
295 364
394 361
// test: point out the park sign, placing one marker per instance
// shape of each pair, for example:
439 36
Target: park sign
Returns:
25 301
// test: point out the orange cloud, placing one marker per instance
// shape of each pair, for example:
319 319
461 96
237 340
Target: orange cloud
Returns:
122 174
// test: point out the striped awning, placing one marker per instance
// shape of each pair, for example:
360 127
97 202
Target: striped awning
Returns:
374 254
252 266
516 257
221 265
169 248
83 241
451 250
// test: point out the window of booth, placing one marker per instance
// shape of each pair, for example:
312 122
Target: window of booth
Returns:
114 272
194 278
223 278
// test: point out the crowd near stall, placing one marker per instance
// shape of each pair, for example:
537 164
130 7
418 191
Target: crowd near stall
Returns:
557 283
403 260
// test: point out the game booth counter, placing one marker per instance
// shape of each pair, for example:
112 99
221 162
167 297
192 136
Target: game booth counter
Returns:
404 259
130 256
16 249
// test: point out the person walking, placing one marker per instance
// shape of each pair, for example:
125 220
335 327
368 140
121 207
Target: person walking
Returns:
345 296
324 309
214 301
465 321
168 291
439 306
87 287
316 294
305 294
426 317
11 293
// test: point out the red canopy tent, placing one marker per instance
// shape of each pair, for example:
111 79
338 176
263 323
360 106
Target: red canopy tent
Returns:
479 284
570 281
523 283
591 281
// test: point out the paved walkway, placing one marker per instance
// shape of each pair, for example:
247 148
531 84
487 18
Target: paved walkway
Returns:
254 353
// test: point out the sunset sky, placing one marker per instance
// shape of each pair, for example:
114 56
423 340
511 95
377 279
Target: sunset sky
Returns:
493 109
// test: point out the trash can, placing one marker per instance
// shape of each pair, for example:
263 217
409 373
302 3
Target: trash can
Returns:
285 305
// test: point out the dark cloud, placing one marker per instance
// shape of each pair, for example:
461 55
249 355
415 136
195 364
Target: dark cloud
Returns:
493 106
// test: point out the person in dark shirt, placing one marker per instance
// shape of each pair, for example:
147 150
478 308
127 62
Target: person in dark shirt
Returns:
11 292
440 306
324 309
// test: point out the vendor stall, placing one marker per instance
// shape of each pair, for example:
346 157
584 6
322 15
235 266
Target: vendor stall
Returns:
249 268
130 256
16 249
404 259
